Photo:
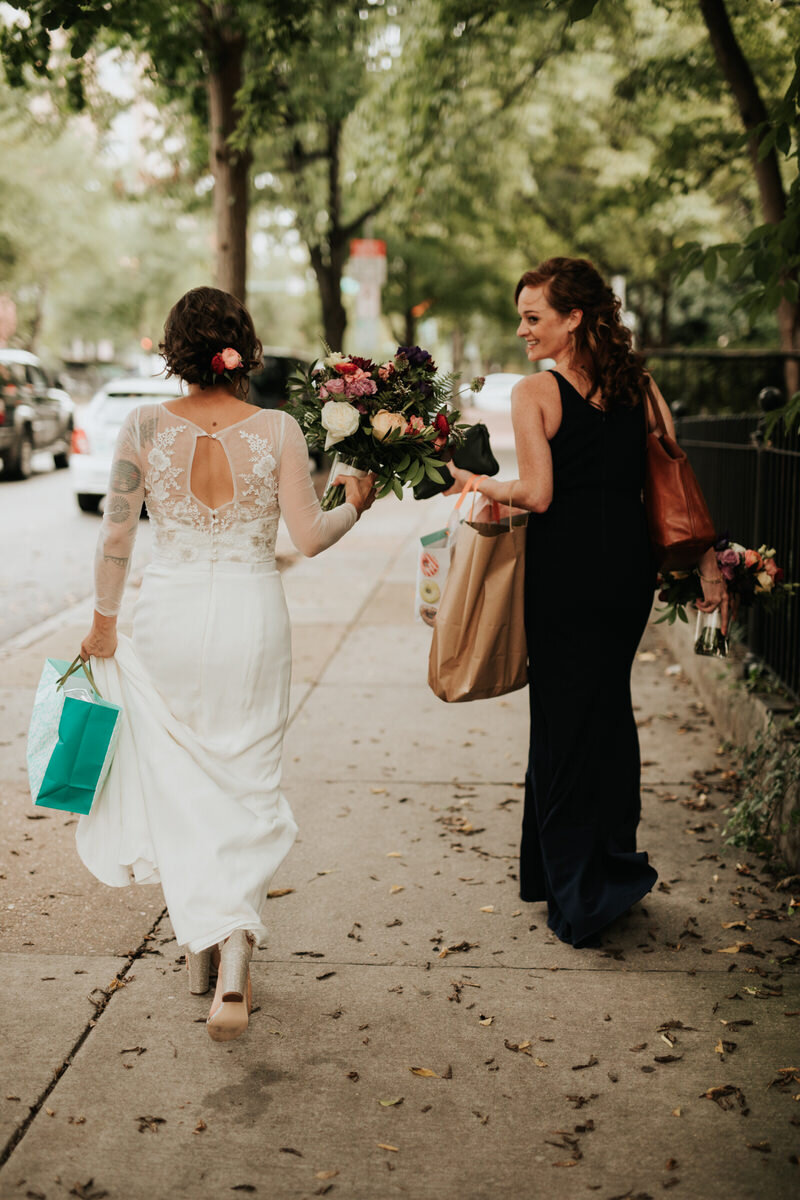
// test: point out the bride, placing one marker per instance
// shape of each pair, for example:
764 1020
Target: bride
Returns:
193 797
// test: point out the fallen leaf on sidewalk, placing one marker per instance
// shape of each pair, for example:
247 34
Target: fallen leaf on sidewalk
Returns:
87 1191
391 1103
274 893
424 1072
764 1147
667 1058
735 925
786 1078
325 1174
394 854
386 1146
727 1096
396 887
580 1101
724 1047
591 1063
458 949
199 1127
518 1047
291 1150
151 1123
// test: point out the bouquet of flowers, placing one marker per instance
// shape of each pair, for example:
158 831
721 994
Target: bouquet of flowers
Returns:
391 418
751 577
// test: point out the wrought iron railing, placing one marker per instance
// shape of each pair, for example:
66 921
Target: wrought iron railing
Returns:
753 490
719 381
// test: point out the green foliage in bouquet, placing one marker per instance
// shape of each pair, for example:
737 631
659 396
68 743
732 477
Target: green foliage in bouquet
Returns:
751 577
393 419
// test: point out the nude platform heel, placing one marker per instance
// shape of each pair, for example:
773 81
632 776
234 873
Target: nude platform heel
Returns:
229 1020
199 971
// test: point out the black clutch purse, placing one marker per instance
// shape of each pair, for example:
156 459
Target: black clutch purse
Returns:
475 455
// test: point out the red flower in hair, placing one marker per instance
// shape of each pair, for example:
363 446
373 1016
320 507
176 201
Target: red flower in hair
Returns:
217 365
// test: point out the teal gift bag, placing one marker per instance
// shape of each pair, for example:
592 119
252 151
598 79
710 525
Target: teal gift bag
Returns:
72 737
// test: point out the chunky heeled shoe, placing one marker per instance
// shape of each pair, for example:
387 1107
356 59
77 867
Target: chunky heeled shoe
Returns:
233 999
199 971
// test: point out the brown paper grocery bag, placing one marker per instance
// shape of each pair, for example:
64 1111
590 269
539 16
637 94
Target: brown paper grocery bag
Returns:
479 648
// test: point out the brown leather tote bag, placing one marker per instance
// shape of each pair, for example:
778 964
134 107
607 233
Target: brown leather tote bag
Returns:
680 525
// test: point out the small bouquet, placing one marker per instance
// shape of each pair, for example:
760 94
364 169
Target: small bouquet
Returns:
391 418
751 577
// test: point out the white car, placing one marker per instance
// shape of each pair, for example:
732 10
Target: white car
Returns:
97 427
495 395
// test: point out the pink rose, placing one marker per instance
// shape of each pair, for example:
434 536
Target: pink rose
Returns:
231 358
752 558
332 387
415 425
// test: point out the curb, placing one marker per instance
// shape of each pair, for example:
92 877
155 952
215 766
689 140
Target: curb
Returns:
741 717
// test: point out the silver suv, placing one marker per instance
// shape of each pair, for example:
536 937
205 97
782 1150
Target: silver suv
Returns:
34 415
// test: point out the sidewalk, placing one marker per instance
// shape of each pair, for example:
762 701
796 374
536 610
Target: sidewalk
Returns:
400 942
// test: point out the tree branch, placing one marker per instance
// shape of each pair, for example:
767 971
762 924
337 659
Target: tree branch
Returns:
353 226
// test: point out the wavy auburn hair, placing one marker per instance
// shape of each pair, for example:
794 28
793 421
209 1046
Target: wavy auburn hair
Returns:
201 324
601 344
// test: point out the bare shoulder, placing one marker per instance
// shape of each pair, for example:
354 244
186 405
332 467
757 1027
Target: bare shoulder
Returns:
541 387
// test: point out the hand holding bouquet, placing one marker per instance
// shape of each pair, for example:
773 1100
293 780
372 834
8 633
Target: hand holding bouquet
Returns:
751 577
392 419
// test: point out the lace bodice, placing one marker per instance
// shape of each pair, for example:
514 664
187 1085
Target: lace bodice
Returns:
153 461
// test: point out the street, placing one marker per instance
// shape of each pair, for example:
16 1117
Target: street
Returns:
47 548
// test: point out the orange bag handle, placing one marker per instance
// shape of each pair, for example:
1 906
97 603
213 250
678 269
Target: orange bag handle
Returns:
470 486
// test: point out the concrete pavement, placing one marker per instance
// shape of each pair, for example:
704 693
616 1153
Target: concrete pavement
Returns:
657 1063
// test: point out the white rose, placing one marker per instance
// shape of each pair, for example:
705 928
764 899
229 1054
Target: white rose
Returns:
340 419
384 422
764 582
333 359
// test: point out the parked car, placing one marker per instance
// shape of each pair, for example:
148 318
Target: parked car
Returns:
269 387
96 432
33 415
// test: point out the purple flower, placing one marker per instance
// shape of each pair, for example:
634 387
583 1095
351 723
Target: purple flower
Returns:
728 558
414 355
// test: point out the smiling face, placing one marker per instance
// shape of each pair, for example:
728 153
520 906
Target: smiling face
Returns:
546 332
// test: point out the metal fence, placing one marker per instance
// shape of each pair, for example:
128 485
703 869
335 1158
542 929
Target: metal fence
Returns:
700 381
753 490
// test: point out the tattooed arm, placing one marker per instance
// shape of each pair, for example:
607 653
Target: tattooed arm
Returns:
115 545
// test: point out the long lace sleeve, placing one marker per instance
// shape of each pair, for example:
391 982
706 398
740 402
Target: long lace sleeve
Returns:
311 529
120 519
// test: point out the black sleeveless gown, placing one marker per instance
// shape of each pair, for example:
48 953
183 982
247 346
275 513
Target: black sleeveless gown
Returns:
589 582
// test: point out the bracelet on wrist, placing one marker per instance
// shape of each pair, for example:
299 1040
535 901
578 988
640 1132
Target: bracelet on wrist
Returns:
714 579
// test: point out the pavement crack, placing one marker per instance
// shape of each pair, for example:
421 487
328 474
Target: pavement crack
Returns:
100 1005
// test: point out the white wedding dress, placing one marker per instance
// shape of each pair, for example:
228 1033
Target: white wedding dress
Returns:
193 797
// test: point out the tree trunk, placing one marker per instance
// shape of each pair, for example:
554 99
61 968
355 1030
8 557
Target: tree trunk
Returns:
741 81
231 168
328 271
410 328
458 350
328 258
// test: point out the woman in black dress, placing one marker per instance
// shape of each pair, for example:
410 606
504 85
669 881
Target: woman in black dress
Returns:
580 433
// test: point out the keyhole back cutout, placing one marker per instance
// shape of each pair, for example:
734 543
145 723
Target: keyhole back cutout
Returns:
211 480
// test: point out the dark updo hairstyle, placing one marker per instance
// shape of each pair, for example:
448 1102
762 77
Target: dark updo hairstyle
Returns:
601 344
201 324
